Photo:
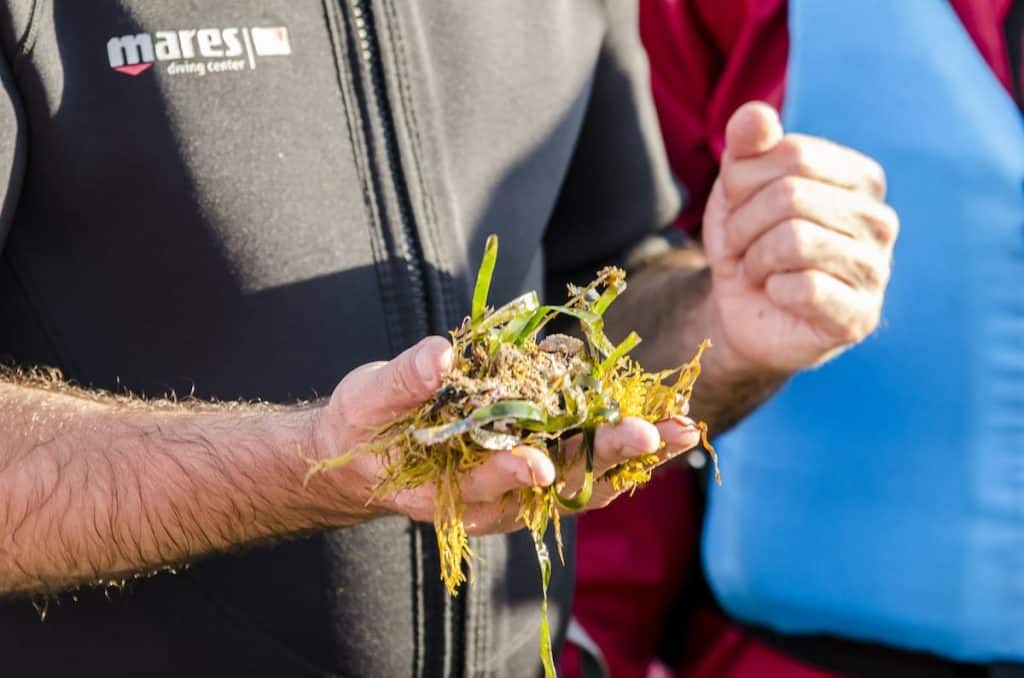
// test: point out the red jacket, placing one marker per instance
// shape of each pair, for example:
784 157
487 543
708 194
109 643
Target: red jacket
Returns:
707 58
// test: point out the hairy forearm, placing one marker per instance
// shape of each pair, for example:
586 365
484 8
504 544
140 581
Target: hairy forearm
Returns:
667 303
97 487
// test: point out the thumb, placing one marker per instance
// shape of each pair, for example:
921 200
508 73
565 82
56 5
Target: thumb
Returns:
753 129
379 391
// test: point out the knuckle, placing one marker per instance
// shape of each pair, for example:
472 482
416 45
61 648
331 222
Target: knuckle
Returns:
868 268
893 222
870 274
852 332
809 290
796 155
876 180
846 336
884 271
863 321
404 378
797 240
855 331
346 399
885 224
785 196
760 260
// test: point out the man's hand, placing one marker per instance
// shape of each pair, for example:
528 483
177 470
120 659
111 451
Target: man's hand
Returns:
797 248
799 243
376 393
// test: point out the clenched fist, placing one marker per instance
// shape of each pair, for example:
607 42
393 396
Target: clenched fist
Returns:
799 242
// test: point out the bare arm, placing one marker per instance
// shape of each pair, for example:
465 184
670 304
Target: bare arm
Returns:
95 487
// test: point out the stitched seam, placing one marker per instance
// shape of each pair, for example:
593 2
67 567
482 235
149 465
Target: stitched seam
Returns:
399 55
377 247
419 615
482 623
481 608
471 641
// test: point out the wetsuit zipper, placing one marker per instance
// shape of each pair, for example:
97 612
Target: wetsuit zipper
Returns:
407 248
406 244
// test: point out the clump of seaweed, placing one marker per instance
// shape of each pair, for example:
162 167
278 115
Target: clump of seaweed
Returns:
509 387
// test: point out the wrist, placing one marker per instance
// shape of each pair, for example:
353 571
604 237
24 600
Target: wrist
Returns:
342 493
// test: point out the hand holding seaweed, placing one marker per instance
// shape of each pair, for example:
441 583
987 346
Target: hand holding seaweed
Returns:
576 411
370 398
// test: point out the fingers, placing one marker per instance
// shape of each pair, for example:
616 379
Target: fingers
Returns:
631 437
799 245
802 156
483 487
830 306
752 130
379 391
796 229
507 470
614 444
679 434
849 213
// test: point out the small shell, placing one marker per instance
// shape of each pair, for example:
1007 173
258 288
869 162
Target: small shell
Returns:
489 440
561 343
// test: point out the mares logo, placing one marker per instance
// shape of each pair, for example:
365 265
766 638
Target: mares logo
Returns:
197 51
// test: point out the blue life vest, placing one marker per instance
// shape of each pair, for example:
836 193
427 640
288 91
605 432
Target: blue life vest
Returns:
881 497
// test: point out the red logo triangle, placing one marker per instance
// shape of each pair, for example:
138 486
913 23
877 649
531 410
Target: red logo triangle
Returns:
134 69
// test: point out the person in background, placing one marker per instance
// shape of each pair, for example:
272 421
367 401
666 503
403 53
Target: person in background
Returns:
871 520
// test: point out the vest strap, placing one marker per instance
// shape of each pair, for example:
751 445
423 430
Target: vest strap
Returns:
854 658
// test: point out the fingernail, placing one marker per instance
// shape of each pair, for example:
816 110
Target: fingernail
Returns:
426 366
685 422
